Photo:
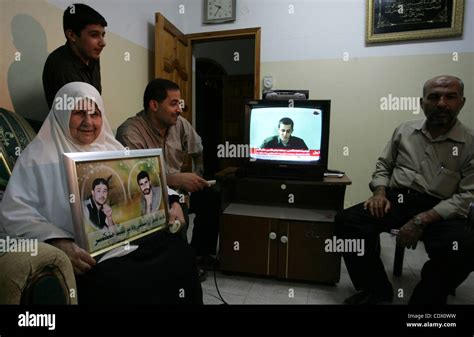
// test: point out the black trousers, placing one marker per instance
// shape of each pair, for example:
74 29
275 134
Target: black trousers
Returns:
161 271
448 244
206 206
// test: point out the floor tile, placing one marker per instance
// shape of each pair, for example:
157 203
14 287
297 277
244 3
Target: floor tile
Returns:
211 296
267 291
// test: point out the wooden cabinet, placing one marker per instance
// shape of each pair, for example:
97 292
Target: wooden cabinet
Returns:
263 233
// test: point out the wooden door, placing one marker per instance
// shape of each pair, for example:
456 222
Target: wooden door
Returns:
172 52
237 88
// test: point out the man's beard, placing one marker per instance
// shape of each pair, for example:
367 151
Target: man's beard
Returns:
99 203
146 191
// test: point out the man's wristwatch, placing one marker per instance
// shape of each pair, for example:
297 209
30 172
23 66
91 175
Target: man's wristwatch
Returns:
418 223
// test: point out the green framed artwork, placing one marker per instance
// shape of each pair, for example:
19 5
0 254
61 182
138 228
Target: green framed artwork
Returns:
108 201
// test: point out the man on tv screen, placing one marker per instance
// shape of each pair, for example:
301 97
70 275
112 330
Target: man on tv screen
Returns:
284 139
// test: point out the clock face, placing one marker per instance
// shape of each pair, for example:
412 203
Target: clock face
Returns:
219 10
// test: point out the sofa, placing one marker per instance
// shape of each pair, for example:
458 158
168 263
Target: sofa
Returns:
44 276
44 279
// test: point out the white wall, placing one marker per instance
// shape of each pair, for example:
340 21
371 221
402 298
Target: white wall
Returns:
318 29
321 29
133 19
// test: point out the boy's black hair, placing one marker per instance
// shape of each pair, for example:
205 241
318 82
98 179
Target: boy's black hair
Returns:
77 16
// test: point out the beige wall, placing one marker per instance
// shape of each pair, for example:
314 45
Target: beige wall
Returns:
38 31
355 88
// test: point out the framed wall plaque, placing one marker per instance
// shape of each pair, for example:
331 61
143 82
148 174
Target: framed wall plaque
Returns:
398 20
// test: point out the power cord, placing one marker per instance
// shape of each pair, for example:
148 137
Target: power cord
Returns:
215 282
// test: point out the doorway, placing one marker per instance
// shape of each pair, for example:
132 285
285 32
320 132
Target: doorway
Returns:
220 57
224 79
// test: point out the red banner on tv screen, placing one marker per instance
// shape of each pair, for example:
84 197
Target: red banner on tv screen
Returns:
284 152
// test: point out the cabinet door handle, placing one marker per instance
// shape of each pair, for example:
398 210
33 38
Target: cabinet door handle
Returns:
284 239
272 236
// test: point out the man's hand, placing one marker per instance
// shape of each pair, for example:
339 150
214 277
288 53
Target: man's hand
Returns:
107 210
378 204
80 259
409 235
190 182
176 213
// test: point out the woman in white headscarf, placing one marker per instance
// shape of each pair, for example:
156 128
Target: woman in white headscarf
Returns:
36 205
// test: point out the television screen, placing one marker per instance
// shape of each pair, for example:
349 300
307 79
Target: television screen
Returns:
288 134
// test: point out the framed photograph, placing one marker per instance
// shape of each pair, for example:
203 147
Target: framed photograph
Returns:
398 20
5 172
116 196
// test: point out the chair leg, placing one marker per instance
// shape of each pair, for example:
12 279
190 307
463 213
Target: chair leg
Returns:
398 261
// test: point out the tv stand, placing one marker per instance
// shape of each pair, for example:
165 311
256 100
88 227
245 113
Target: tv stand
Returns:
286 173
278 227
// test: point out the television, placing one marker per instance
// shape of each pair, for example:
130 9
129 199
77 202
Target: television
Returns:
287 138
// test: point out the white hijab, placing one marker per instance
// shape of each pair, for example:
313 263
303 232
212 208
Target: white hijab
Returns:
36 201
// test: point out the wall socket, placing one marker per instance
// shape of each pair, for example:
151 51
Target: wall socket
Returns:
268 82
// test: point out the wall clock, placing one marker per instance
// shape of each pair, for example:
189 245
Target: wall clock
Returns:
219 11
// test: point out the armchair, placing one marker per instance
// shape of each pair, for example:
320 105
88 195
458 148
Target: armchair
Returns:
48 277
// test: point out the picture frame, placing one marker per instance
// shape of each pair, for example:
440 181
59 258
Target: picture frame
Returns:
397 20
108 199
5 171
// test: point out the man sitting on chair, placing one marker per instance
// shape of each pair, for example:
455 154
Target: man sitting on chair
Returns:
423 184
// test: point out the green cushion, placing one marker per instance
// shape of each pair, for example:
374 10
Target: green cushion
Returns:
15 135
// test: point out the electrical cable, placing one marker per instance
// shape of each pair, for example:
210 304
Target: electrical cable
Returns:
215 282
